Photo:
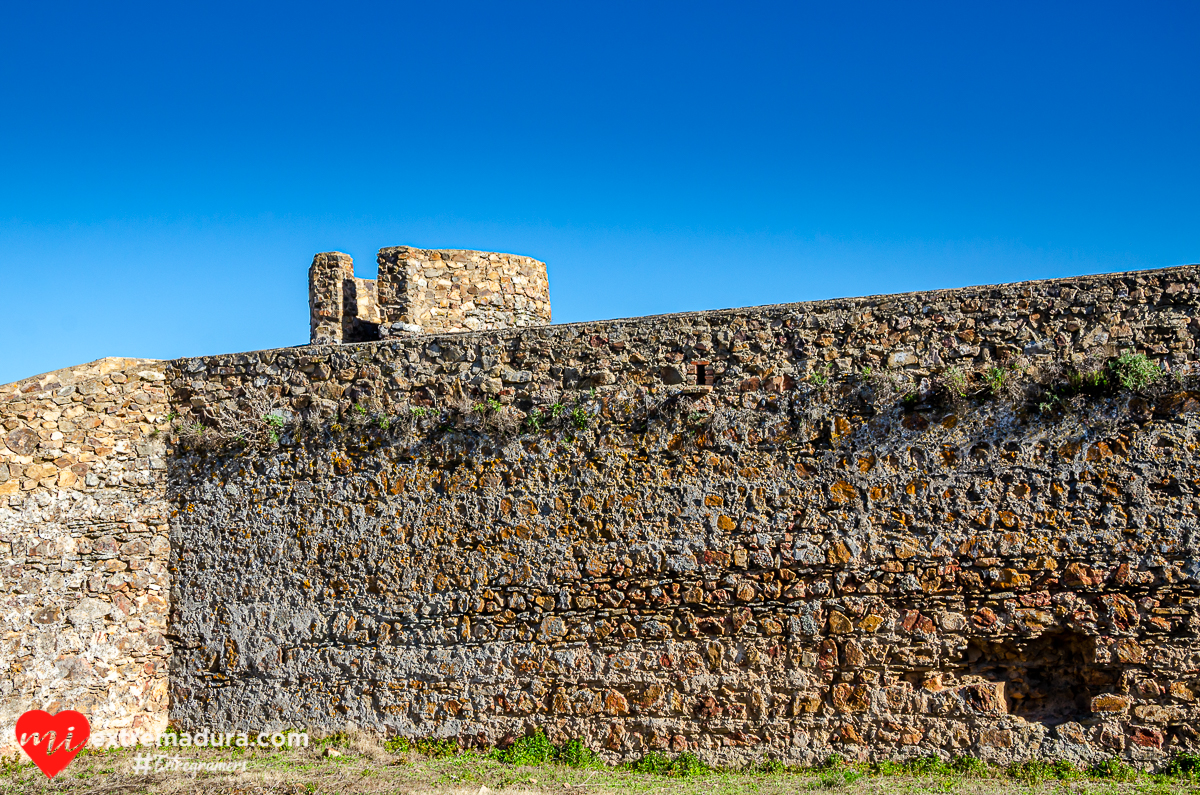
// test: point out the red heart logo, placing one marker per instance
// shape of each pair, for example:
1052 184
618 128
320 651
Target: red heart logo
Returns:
52 741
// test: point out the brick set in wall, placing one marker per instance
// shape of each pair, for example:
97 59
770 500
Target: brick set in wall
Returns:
84 546
770 566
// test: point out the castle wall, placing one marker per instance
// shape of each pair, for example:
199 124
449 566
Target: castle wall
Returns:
456 290
713 531
84 546
421 290
331 311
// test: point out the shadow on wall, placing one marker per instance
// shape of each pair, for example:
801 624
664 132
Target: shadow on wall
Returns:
1049 679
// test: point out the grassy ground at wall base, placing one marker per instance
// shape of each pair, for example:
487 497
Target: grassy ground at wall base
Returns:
349 765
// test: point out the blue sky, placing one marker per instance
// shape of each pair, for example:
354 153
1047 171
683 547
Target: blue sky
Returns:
168 170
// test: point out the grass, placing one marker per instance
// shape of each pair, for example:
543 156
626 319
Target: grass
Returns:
533 764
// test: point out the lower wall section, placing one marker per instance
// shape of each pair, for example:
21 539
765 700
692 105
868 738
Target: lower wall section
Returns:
955 581
84 547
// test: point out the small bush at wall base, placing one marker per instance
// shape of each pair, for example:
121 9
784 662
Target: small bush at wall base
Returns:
575 754
434 748
994 377
657 763
970 766
928 766
833 779
1037 771
1112 769
1185 766
536 749
437 748
333 740
956 383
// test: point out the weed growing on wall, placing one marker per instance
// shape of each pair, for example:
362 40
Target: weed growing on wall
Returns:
956 382
256 418
1135 371
253 418
274 425
1066 388
994 378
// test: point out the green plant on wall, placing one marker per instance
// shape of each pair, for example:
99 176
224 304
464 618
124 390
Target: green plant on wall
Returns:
994 379
956 382
489 404
1135 371
534 420
274 424
580 418
1088 380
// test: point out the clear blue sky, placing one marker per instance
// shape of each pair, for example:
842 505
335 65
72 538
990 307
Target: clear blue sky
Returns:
167 170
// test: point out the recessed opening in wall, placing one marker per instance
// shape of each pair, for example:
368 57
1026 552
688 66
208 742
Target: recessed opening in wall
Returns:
701 373
1049 679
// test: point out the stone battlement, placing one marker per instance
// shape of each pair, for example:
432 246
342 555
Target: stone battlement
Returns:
424 290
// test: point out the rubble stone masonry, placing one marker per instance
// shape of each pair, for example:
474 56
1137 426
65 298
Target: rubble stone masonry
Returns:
714 531
84 546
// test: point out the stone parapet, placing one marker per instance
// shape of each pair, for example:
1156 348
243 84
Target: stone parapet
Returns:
455 290
420 290
331 306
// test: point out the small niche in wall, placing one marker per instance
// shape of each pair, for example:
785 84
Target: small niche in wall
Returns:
701 373
1049 679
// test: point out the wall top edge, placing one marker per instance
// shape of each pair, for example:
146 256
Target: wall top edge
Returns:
75 374
453 252
1177 272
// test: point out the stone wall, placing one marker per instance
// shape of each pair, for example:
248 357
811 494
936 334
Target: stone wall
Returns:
433 291
748 533
84 546
456 290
